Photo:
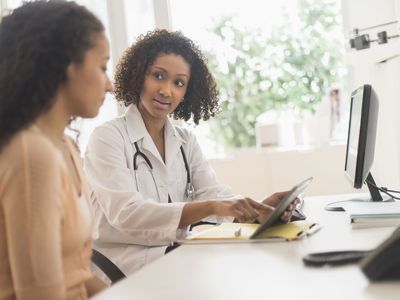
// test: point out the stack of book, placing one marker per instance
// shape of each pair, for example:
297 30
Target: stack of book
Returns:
373 214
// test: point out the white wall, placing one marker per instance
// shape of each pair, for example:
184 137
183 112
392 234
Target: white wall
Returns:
260 172
380 67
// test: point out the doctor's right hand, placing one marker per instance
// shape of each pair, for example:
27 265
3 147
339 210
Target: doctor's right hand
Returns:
244 210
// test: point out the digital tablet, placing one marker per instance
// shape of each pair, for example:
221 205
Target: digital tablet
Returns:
281 207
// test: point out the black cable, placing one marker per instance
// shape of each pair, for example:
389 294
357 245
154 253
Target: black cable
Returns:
389 194
385 190
393 36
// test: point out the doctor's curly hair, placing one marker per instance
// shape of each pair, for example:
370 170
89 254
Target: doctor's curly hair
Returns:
202 96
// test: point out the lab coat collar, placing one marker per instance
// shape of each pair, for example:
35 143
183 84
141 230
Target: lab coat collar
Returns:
134 124
136 130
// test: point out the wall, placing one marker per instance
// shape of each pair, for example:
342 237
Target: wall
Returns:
380 67
260 172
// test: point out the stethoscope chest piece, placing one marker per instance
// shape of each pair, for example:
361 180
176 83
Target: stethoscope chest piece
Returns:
189 193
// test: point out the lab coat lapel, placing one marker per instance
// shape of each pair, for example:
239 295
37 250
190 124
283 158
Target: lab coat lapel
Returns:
134 124
173 142
149 146
137 131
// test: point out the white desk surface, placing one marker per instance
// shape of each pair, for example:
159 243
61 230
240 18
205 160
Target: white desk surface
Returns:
271 270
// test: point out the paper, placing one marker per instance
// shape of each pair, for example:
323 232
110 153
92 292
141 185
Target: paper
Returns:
226 231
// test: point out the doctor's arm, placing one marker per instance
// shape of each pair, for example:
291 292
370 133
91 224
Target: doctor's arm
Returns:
107 168
145 221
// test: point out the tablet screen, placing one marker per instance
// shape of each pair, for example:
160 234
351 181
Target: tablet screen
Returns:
281 207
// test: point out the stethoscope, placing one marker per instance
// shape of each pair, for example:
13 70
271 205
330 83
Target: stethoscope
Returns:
189 192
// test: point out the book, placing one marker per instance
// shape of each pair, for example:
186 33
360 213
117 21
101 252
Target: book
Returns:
373 209
373 214
374 222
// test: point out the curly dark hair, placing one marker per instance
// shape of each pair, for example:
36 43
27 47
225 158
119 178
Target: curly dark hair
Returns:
202 96
38 41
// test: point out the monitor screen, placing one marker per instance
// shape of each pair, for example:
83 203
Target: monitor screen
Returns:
361 144
353 136
361 137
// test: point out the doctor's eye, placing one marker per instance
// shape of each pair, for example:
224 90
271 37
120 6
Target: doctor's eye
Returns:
158 75
180 83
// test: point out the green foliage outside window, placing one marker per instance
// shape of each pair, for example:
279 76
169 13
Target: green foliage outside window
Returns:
288 69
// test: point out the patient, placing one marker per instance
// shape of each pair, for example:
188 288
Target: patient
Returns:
53 58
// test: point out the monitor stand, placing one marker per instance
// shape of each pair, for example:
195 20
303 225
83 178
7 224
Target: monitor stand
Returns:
373 190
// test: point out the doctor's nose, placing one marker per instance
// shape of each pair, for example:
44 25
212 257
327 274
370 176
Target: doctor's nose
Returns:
165 90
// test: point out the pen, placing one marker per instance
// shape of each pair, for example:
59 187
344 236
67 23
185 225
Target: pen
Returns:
301 202
238 231
313 229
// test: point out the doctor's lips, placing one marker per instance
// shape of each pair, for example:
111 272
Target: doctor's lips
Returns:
162 102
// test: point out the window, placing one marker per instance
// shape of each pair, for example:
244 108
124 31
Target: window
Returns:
139 16
124 21
109 108
276 60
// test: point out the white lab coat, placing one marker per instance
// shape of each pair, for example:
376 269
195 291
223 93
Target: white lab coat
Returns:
133 227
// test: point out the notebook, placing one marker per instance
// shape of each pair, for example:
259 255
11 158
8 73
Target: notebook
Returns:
289 231
226 232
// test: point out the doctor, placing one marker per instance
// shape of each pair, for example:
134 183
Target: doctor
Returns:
150 178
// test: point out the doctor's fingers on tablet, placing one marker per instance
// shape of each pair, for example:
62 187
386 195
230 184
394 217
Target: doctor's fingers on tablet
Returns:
275 198
263 210
286 216
245 210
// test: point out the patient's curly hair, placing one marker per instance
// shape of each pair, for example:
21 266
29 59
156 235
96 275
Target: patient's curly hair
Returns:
202 97
38 41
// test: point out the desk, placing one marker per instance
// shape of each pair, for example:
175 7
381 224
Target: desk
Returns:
272 270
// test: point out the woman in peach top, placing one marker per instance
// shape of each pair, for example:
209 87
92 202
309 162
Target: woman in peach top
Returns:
53 58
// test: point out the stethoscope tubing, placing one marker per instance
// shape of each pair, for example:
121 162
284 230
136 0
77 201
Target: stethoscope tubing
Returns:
189 186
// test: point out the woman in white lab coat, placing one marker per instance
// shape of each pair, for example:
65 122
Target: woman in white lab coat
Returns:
150 178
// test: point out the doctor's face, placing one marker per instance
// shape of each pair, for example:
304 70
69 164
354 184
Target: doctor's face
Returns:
164 86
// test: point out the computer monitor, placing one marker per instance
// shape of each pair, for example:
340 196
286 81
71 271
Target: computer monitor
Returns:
360 149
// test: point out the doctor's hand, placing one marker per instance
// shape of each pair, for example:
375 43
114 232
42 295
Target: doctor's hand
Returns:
273 201
244 210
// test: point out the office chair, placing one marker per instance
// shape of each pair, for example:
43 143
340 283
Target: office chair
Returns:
107 267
